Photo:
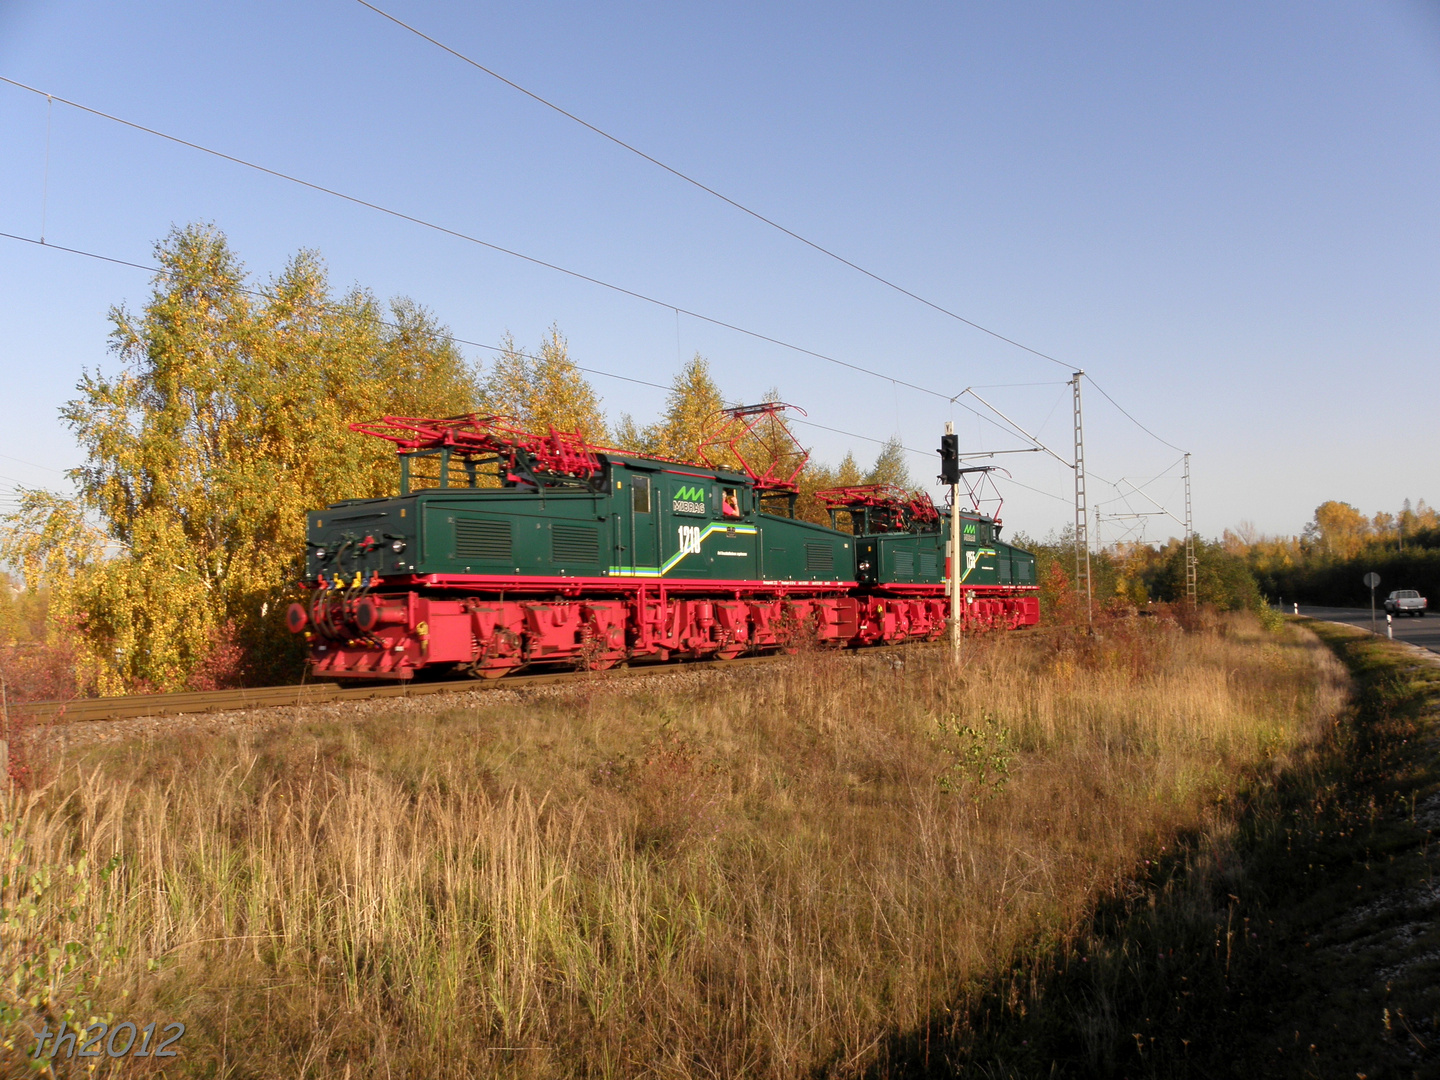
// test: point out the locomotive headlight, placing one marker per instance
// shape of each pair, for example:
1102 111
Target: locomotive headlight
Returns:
397 546
865 564
320 554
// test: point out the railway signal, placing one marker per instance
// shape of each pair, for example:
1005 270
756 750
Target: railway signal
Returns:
950 456
950 474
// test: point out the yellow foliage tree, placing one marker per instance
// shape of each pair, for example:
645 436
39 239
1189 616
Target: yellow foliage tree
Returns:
1338 530
628 435
545 390
227 422
694 411
890 466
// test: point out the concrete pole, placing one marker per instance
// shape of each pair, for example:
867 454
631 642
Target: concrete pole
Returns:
957 552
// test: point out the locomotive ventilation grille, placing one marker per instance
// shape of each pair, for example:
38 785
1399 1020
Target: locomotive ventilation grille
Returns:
575 544
485 540
905 563
929 564
820 557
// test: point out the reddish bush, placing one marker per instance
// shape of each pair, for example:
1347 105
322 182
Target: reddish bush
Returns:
39 672
1059 603
31 672
224 665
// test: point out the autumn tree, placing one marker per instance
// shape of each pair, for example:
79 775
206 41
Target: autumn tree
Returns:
227 420
694 411
543 390
1338 530
627 434
890 466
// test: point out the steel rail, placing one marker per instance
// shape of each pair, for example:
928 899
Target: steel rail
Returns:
82 710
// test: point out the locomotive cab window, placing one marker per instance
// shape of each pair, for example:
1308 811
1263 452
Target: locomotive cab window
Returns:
730 502
640 494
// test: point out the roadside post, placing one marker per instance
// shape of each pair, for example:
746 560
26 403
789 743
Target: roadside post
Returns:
950 474
1390 626
1372 579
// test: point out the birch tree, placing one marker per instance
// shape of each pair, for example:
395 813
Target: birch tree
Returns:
227 419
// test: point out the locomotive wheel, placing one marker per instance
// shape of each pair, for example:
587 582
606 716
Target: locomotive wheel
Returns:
596 663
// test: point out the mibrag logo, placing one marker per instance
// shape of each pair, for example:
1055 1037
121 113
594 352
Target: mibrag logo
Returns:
688 500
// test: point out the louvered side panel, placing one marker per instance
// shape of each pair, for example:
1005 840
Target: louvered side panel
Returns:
575 544
487 541
820 557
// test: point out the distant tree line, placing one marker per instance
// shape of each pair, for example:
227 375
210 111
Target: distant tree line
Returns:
1135 575
1328 561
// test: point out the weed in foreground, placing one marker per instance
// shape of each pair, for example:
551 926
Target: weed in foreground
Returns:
1293 937
770 872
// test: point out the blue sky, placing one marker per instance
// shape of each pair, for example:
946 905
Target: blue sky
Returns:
1227 214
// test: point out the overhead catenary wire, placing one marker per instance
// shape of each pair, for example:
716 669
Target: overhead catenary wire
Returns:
468 238
480 344
445 230
32 464
711 191
150 268
51 98
736 204
1132 419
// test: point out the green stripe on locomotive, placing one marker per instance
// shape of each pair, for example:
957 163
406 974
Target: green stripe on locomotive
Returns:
648 521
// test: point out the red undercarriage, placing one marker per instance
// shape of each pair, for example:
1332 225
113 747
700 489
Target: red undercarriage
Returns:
491 626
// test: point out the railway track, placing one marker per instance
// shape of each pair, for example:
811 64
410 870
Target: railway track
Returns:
83 710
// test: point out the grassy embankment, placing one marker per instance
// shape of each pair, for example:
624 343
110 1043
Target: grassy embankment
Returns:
1303 942
826 864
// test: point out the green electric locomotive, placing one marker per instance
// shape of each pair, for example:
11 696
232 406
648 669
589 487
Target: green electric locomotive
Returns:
506 550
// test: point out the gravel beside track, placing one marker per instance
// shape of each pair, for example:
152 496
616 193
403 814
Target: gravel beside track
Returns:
209 714
186 702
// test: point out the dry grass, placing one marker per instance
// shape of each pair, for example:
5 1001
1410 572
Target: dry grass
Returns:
768 874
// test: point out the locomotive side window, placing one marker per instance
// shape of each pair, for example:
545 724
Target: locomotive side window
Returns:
640 494
730 502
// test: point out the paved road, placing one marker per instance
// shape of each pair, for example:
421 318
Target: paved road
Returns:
1423 632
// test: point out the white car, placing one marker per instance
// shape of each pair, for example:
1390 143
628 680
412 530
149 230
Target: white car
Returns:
1405 602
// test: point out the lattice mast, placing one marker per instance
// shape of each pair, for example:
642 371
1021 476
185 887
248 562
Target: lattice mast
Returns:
1191 568
1082 538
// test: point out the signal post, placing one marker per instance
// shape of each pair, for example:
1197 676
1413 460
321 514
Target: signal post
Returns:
950 474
